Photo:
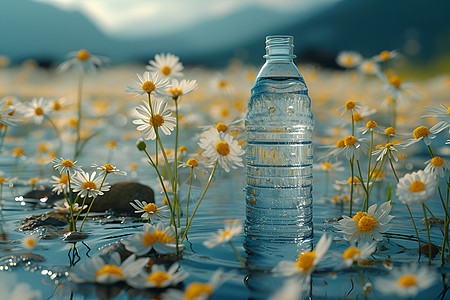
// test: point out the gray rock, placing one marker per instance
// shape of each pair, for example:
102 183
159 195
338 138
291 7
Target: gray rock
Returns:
46 219
119 197
42 191
47 232
75 236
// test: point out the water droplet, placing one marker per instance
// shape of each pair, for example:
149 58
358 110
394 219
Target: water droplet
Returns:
271 110
290 110
293 155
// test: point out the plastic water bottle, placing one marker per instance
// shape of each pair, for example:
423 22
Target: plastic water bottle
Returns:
279 127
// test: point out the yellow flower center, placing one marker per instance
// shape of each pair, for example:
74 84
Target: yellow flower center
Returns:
111 144
327 165
388 145
448 111
67 163
366 223
340 143
348 60
420 132
73 122
223 84
385 55
30 242
437 161
350 140
195 289
148 87
226 233
305 261
156 120
417 186
2 179
166 70
151 208
108 167
160 236
355 180
390 131
407 280
221 127
89 185
350 253
223 148
158 277
183 149
176 92
38 111
390 100
83 55
371 124
192 162
64 179
368 67
110 270
33 180
357 117
350 105
56 106
18 151
396 81
359 215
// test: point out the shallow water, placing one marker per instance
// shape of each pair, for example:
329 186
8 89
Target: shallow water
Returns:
225 200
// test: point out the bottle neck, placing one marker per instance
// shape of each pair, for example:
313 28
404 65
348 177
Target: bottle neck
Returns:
279 58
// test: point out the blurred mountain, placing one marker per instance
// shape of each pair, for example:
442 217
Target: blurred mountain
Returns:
419 29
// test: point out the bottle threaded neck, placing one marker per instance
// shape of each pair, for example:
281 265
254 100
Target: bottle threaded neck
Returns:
280 46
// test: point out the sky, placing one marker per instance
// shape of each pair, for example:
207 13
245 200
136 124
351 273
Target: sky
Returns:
152 18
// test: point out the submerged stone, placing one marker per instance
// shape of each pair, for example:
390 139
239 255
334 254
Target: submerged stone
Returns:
43 192
425 249
50 218
75 236
47 232
119 197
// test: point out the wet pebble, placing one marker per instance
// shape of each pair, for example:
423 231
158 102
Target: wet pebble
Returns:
424 249
50 218
75 236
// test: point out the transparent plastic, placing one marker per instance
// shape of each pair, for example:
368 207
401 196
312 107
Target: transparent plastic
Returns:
279 127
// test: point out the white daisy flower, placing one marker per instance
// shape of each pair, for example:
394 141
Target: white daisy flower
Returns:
89 185
306 262
366 227
369 67
336 150
386 55
150 211
183 87
29 242
82 61
108 168
416 187
65 165
357 254
36 110
159 277
157 237
161 119
149 83
222 147
57 105
437 166
406 281
166 65
198 290
108 269
221 84
7 114
224 235
348 59
330 167
60 184
354 147
292 289
390 149
443 114
420 133
399 91
349 108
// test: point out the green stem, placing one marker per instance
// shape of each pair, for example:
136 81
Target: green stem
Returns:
188 196
351 186
435 220
175 170
446 227
366 200
237 254
414 224
89 209
80 90
200 200
58 134
393 169
428 232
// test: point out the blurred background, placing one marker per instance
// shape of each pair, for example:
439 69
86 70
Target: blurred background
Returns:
213 33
